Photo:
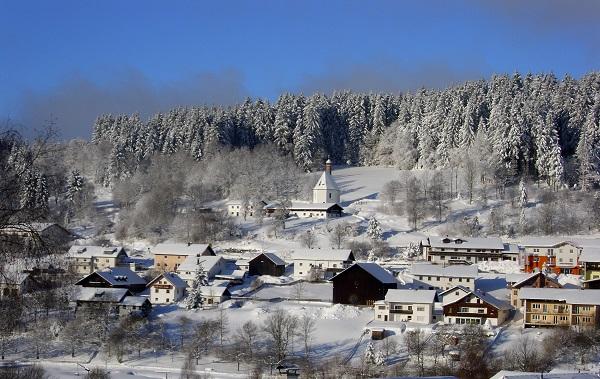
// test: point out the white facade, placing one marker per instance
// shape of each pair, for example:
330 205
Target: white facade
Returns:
85 260
427 276
453 294
213 265
324 260
166 289
326 189
446 250
414 306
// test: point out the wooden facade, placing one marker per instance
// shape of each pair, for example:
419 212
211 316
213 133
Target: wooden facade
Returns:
96 280
472 309
538 280
357 286
265 265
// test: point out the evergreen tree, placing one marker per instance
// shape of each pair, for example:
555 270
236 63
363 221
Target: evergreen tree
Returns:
194 297
374 230
522 194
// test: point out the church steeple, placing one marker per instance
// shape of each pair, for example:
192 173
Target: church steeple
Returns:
326 189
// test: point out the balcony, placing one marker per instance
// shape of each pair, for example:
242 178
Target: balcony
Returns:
402 311
550 310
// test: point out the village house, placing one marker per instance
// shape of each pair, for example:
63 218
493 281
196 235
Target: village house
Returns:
14 283
214 294
320 263
447 250
114 277
266 264
169 256
236 207
362 284
243 264
590 262
476 307
89 299
452 294
535 280
212 265
167 288
558 255
429 276
50 233
325 200
560 307
407 305
86 259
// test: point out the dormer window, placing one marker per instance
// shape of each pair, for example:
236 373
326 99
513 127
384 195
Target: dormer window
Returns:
446 240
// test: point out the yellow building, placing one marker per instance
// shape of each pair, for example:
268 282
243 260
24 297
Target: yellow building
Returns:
169 256
590 261
560 307
86 259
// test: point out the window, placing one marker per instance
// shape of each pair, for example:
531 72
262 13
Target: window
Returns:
468 280
442 258
449 279
156 299
460 279
378 316
437 278
168 291
481 310
535 306
429 278
156 290
410 307
420 309
334 265
464 310
300 264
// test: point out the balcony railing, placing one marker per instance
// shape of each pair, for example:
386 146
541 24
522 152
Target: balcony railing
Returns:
402 311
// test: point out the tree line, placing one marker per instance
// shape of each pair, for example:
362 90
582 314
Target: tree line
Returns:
534 125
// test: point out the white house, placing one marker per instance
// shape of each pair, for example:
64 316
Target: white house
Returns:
324 263
166 288
453 294
236 207
448 250
428 276
214 294
407 305
212 265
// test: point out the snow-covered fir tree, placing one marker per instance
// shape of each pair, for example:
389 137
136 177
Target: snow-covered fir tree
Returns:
374 229
75 185
523 199
194 297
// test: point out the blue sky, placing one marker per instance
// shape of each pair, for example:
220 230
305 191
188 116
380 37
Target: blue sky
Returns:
71 60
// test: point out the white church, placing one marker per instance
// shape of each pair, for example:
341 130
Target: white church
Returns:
325 201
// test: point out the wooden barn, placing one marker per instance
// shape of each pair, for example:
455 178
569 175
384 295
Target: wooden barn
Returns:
266 264
362 284
115 277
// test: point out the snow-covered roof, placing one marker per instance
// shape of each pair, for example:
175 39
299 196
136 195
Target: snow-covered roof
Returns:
590 254
118 276
272 257
547 241
378 272
454 271
529 276
464 243
411 296
511 248
180 249
172 278
570 296
213 290
95 251
135 301
462 288
486 297
299 205
103 295
505 374
322 255
517 277
326 182
191 263
231 274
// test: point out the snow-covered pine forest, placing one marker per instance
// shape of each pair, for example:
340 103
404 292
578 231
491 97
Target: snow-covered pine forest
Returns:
534 125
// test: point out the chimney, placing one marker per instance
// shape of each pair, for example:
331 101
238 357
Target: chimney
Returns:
328 166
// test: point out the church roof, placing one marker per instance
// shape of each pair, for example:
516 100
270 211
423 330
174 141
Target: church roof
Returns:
326 181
